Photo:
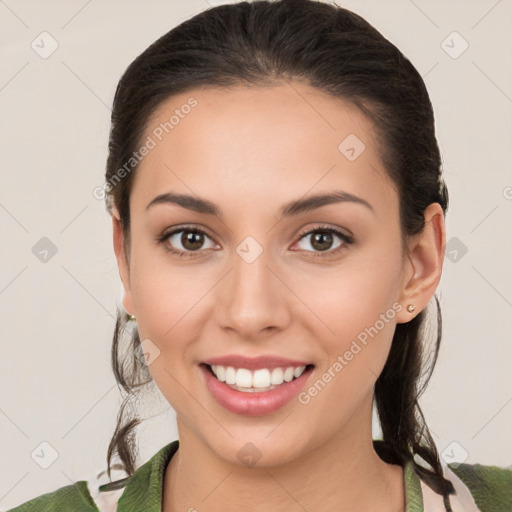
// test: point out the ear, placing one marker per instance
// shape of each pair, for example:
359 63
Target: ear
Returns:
123 262
424 264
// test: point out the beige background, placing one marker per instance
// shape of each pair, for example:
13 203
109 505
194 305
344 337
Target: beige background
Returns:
57 317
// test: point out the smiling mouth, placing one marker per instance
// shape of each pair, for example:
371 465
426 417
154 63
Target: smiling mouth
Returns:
256 381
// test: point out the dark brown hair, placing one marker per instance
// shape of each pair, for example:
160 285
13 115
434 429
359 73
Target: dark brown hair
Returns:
337 52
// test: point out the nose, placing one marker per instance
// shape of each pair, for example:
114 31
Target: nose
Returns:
253 299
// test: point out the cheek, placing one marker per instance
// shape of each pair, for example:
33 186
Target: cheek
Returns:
357 305
354 358
168 302
168 299
356 295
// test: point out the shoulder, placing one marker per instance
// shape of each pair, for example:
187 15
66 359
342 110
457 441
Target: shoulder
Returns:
490 486
99 494
72 498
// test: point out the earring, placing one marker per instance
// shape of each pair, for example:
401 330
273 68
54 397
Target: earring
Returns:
411 308
131 318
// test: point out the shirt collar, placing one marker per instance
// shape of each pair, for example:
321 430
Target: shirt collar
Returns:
144 489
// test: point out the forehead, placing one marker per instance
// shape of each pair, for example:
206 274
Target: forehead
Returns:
257 143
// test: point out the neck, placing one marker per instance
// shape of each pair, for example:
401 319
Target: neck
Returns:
348 475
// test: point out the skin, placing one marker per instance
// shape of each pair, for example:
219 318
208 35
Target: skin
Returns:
317 456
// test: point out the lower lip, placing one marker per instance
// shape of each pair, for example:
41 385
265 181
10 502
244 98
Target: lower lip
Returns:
253 404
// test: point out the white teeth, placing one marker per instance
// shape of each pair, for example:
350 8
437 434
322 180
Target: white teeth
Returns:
277 376
298 371
230 375
261 379
220 371
288 374
243 378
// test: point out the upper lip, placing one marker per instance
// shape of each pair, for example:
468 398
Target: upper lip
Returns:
254 363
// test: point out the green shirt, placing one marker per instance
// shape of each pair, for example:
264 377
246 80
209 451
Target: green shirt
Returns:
479 488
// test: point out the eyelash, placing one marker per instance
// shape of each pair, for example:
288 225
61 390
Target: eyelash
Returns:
191 229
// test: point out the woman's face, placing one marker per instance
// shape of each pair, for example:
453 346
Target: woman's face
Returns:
263 276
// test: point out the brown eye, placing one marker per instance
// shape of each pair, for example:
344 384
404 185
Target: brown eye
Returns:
323 240
191 240
185 241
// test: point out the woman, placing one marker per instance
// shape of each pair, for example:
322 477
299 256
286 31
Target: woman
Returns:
278 208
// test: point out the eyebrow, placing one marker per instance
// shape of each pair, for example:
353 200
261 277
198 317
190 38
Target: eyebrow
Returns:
293 208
